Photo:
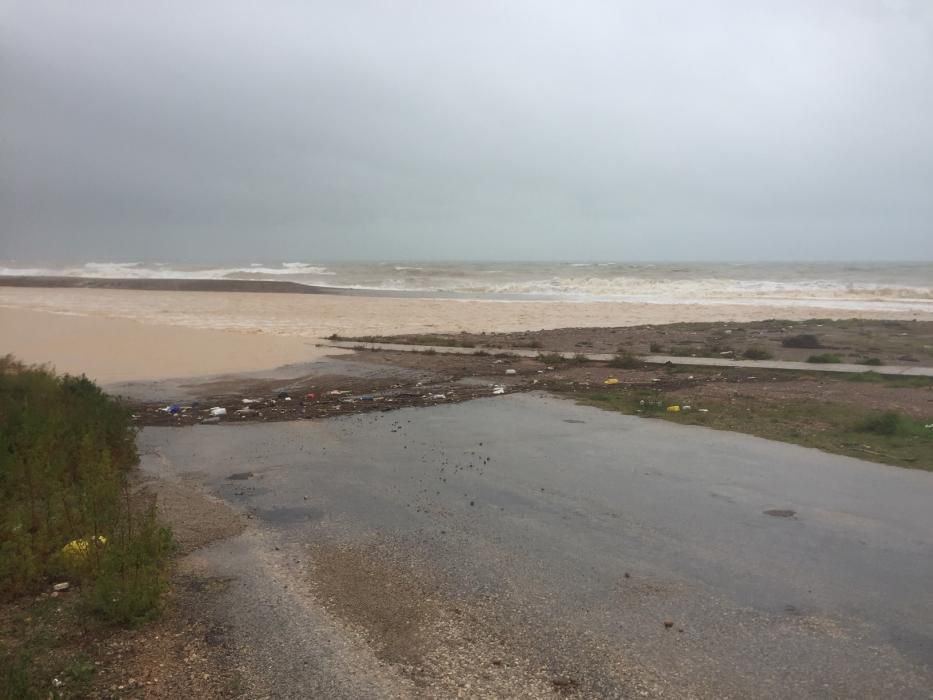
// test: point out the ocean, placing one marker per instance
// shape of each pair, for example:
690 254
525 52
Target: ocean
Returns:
896 287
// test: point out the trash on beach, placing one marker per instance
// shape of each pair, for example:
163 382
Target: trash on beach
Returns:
673 409
247 411
337 392
249 401
172 409
498 362
703 410
214 420
76 551
550 369
282 395
366 397
439 397
218 411
655 379
310 396
685 408
63 586
611 380
510 371
496 390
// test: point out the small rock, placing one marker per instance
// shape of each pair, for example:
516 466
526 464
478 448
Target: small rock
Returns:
668 624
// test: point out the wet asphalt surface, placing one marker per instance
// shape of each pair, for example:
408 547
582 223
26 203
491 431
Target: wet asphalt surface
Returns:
605 555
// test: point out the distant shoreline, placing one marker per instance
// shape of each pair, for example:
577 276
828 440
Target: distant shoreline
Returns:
167 285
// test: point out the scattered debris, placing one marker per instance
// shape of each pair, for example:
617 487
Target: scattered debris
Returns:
63 586
218 411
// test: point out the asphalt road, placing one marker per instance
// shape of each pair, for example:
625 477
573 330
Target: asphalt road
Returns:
523 545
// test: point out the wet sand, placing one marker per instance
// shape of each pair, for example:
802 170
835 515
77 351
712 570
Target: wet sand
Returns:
112 349
121 334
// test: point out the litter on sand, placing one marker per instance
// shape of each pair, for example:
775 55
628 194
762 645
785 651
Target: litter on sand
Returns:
496 390
218 411
673 409
611 380
510 371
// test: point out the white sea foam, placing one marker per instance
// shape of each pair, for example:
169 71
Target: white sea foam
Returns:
901 287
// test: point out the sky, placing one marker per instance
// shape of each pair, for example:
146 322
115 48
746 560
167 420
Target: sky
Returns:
664 130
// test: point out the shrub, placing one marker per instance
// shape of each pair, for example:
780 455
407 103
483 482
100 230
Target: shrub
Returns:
65 451
870 377
656 348
825 359
805 340
757 353
872 361
888 423
625 361
551 358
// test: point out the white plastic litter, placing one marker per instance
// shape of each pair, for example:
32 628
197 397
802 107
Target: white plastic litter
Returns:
218 411
496 390
510 371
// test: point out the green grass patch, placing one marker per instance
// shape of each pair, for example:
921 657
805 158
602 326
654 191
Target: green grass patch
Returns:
830 426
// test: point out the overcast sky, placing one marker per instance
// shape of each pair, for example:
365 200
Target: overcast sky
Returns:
659 130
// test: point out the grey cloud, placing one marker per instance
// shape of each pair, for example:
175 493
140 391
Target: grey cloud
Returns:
668 130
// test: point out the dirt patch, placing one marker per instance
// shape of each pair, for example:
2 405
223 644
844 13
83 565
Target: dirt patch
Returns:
196 519
442 643
855 340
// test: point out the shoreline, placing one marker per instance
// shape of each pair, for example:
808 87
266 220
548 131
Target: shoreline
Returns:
122 332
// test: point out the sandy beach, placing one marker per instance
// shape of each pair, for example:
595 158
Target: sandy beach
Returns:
115 335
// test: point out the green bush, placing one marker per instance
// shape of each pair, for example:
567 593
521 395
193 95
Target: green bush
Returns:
824 359
805 340
888 423
65 452
756 353
551 358
625 361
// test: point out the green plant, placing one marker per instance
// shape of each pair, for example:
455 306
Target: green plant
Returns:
551 358
624 361
867 377
65 451
757 353
825 359
804 340
16 682
887 423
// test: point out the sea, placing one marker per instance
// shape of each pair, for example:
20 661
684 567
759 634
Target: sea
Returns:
897 287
